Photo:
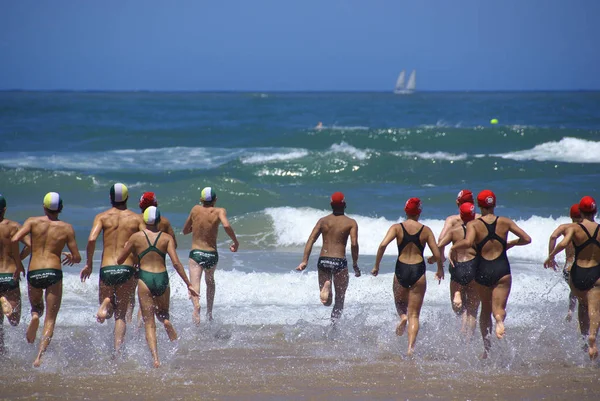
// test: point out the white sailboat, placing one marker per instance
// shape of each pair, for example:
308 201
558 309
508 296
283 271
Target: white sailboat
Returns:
401 88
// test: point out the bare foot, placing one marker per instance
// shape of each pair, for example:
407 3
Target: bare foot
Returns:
401 326
37 362
103 311
484 355
6 308
593 349
457 301
500 329
209 317
196 316
32 329
569 316
411 352
170 331
156 363
325 293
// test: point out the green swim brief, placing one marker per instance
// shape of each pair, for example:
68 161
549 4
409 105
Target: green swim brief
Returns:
206 259
157 283
7 283
116 275
44 278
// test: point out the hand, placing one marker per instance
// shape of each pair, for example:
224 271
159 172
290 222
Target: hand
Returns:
68 259
439 276
17 274
451 262
375 271
301 266
234 247
86 272
431 260
550 263
356 271
192 292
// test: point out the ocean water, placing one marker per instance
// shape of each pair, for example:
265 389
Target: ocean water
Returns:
274 172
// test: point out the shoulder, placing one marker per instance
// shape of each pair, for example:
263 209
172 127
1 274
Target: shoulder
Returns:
453 219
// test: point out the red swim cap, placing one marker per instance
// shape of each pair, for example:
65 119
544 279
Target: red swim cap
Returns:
148 199
338 199
587 204
413 207
574 212
486 199
467 212
464 196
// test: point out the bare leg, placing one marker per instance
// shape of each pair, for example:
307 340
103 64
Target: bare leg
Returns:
340 283
106 297
485 317
123 294
36 299
209 279
13 300
456 297
148 308
500 295
162 313
471 306
131 306
593 300
415 301
325 294
401 302
53 300
195 278
572 305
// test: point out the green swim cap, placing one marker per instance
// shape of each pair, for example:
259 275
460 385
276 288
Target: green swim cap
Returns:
2 202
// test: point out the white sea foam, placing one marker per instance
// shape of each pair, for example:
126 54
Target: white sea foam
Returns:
344 147
568 150
268 155
292 226
431 155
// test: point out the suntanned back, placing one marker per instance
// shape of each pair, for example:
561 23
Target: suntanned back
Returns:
117 226
48 239
462 255
590 255
492 249
411 254
205 227
335 230
8 228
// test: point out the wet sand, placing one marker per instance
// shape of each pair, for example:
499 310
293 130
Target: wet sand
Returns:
280 370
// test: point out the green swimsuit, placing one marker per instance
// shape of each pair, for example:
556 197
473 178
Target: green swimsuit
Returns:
44 278
7 283
116 275
206 259
157 283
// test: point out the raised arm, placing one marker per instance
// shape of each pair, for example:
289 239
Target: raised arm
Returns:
391 234
568 237
179 267
171 232
448 225
523 239
354 247
443 241
14 253
127 249
187 227
26 240
73 257
223 217
439 275
560 230
86 272
312 238
22 232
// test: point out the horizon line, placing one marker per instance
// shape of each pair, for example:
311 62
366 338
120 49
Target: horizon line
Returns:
289 91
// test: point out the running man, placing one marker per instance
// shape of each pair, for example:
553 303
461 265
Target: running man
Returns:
570 254
454 220
203 222
49 236
332 264
11 269
117 281
146 200
463 290
489 235
410 282
151 246
585 272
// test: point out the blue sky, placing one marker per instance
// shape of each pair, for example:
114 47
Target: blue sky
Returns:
271 45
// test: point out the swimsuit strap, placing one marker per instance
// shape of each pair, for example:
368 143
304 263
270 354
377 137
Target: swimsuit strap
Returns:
152 247
408 238
491 228
592 239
